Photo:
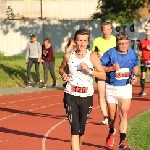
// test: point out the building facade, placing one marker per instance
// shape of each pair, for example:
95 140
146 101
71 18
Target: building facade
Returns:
50 9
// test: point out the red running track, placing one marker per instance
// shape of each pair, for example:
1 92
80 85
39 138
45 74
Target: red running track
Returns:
37 122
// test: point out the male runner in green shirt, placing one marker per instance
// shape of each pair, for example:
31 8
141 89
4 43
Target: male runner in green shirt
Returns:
101 45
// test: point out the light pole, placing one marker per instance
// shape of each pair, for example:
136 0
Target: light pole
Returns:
41 9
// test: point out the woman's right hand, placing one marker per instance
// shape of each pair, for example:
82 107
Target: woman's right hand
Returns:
65 77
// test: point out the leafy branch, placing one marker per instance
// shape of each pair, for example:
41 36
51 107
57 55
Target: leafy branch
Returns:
119 11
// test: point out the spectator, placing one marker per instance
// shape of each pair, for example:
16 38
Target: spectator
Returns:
48 60
33 56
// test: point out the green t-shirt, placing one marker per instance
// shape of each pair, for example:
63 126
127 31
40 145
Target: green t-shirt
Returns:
104 45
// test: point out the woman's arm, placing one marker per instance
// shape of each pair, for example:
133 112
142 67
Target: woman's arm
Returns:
63 67
99 71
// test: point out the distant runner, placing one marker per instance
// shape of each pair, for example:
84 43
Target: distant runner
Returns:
144 52
101 45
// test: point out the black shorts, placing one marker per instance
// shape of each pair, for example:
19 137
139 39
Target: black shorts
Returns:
96 79
78 110
144 68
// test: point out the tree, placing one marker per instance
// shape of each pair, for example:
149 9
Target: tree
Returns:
119 11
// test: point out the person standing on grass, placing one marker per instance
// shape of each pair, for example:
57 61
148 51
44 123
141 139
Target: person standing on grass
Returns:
78 94
33 56
68 49
144 53
48 61
121 66
101 45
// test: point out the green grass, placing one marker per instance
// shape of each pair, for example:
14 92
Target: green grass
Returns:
139 131
13 70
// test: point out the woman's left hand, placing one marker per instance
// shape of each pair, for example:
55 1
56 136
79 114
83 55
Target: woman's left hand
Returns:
85 67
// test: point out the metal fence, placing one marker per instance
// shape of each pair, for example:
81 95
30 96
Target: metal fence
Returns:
51 9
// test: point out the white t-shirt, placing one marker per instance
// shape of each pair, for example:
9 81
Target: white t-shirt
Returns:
80 82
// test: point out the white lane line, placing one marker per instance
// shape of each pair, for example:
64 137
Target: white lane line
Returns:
48 132
26 100
23 112
51 129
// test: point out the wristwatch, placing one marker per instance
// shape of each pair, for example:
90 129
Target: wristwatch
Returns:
91 70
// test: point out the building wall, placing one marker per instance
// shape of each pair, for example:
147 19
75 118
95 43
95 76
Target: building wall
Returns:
14 34
52 9
57 9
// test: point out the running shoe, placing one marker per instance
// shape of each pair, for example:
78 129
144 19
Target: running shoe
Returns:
142 93
104 122
43 86
124 146
38 85
110 139
54 85
28 85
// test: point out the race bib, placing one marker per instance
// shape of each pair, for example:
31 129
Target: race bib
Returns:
79 89
122 73
146 63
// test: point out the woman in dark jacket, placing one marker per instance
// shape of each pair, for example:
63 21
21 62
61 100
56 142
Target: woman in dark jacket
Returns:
48 60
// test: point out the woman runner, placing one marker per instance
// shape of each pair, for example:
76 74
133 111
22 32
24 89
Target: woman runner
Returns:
78 94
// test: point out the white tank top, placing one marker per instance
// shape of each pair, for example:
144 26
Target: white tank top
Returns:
80 82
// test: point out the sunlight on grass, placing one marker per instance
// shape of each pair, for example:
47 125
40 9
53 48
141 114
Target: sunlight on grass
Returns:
139 130
13 71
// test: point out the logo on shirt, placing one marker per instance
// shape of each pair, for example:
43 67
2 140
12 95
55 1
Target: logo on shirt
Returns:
78 67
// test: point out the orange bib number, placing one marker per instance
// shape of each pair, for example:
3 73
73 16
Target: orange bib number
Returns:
79 89
122 74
